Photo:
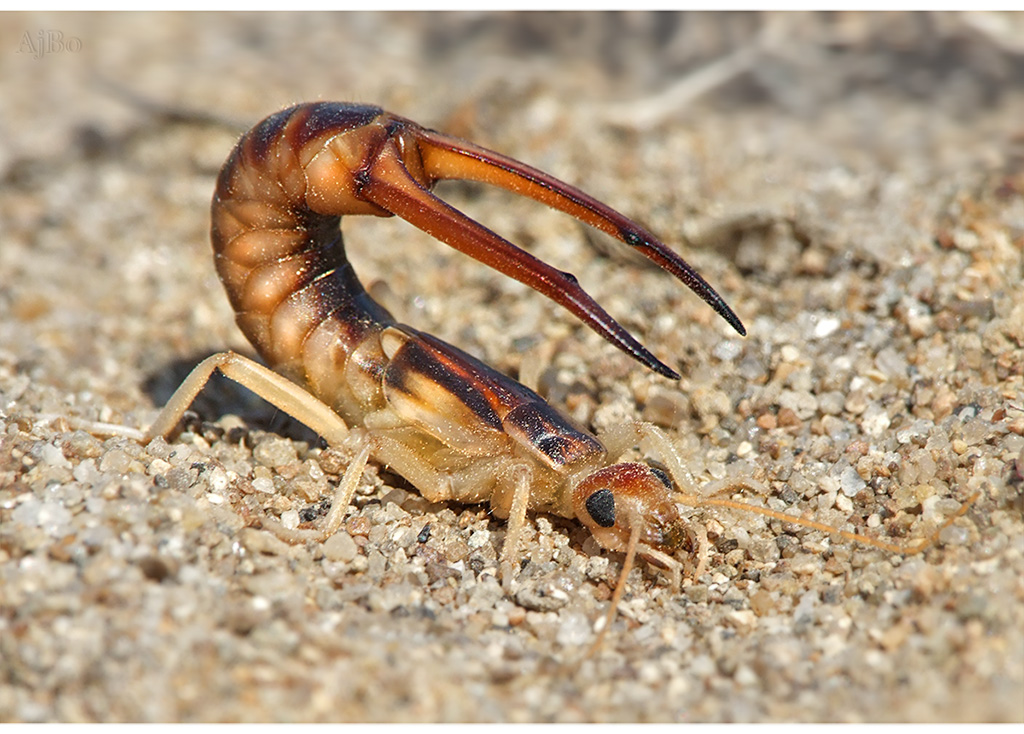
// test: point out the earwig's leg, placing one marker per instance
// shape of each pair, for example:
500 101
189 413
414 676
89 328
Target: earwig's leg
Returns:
434 485
637 526
469 484
669 454
624 436
392 187
666 563
98 428
515 525
342 500
346 490
535 361
731 485
620 438
699 537
437 486
292 399
272 387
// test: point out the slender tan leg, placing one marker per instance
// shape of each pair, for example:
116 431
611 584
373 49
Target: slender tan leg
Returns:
669 454
516 524
699 537
342 499
535 361
272 387
437 486
621 438
99 428
433 485
627 435
671 566
637 525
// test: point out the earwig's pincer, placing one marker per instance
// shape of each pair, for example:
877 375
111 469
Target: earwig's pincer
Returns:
302 169
451 425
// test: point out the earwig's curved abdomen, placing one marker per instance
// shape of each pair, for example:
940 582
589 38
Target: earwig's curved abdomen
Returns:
279 250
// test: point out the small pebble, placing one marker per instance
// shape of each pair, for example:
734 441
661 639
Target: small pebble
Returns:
290 519
698 593
727 350
340 547
825 327
875 420
850 482
479 538
53 456
542 595
261 541
116 461
271 585
263 484
275 452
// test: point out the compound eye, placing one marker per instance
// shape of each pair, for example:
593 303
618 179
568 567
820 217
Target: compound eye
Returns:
601 506
660 473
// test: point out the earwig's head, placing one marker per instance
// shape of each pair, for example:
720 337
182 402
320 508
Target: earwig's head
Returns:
611 501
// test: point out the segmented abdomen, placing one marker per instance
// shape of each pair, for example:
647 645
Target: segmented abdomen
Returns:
283 264
278 249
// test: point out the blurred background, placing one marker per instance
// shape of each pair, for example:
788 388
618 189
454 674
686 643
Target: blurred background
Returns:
74 74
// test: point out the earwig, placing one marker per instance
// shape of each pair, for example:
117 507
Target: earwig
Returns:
339 362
